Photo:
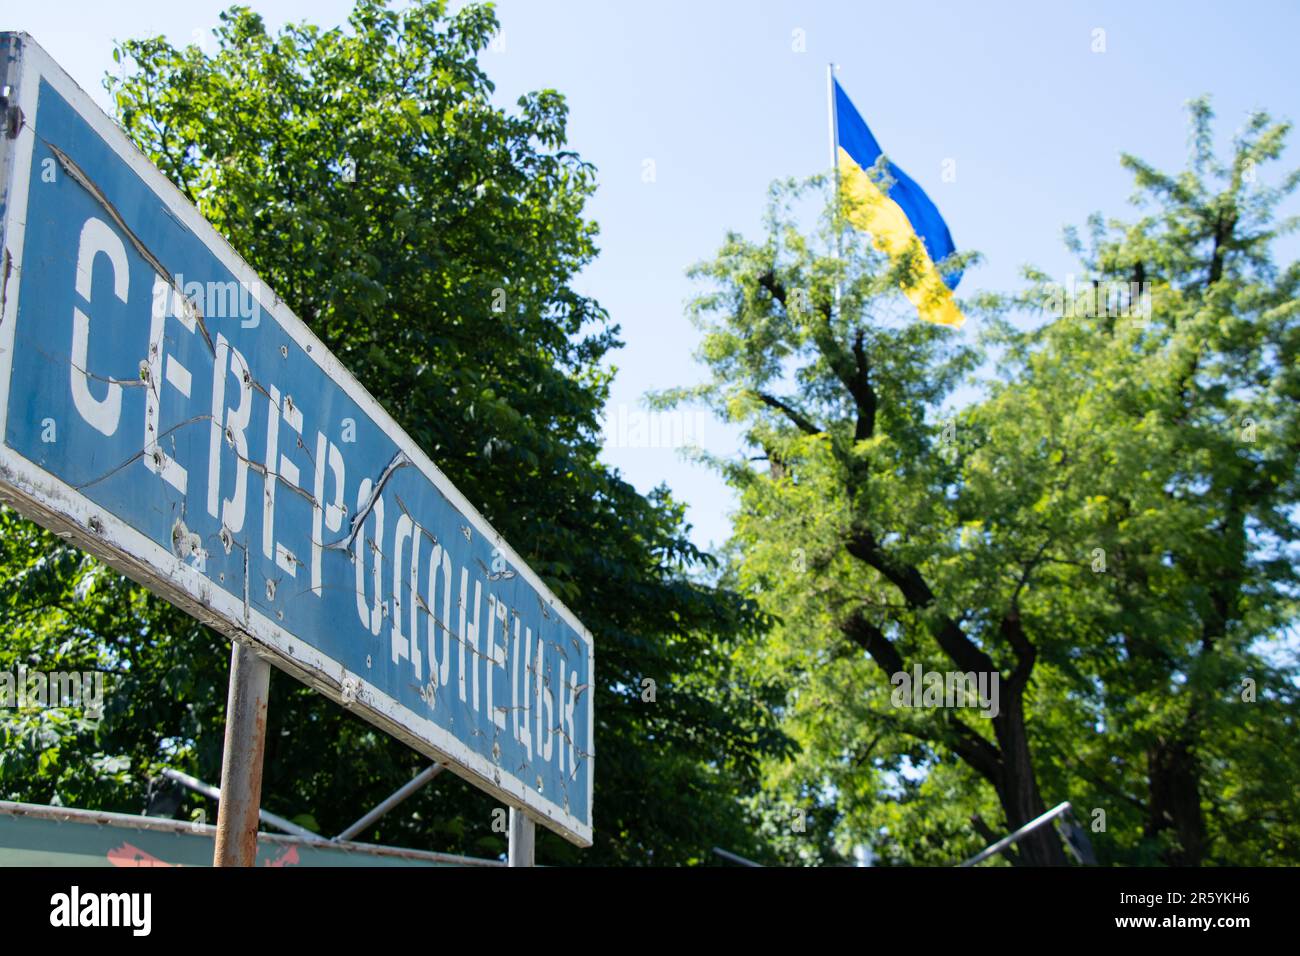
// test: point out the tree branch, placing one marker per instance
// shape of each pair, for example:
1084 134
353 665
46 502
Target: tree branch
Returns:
1013 630
1223 228
980 755
802 423
774 288
852 370
977 752
872 639
863 394
912 585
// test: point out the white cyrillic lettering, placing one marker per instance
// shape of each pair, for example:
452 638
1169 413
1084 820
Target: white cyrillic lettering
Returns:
542 698
570 706
233 422
373 616
279 465
519 703
469 633
496 657
324 515
440 560
154 458
96 237
401 646
416 536
268 482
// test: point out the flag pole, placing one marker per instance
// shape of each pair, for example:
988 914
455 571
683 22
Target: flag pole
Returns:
830 115
835 173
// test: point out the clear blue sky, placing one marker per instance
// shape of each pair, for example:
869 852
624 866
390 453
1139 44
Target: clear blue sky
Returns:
716 94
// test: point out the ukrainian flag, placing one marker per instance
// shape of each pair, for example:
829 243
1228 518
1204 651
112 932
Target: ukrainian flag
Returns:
896 216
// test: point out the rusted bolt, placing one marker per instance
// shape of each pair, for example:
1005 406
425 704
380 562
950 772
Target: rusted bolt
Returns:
348 690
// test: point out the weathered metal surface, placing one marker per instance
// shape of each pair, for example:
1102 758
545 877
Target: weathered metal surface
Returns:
225 459
523 837
36 835
241 758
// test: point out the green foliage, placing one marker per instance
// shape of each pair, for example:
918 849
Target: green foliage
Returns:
1180 433
431 240
1109 524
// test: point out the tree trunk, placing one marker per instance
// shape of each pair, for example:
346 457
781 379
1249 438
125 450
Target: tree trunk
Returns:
1175 801
1017 787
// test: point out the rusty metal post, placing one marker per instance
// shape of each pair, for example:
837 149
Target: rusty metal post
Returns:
522 834
241 760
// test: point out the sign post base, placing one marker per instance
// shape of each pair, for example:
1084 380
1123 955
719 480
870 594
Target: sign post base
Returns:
522 834
241 761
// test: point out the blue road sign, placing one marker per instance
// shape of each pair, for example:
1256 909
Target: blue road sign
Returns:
162 407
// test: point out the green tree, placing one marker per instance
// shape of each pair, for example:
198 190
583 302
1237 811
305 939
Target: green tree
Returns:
1106 523
431 240
855 533
1165 398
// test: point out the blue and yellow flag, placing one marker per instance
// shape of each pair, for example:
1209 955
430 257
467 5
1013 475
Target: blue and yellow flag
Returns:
897 217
